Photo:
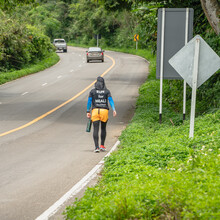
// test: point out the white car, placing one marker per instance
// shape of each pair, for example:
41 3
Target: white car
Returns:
60 44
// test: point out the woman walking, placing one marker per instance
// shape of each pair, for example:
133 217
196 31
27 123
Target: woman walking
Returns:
98 101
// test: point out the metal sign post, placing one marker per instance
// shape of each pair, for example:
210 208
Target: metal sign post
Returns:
161 64
196 62
194 87
174 29
97 37
136 38
184 82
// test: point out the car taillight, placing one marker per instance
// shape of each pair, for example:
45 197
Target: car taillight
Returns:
102 53
87 54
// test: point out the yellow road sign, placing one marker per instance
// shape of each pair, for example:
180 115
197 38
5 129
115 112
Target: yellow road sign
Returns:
136 37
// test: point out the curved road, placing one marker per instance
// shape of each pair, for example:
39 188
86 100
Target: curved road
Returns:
44 149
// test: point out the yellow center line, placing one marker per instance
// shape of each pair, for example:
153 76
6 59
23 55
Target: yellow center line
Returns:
60 106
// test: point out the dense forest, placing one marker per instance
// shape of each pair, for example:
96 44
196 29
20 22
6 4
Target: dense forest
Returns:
79 20
28 28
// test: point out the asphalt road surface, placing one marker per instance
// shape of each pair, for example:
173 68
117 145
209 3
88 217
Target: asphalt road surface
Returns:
44 149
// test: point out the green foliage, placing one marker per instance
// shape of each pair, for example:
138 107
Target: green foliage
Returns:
10 4
51 18
50 60
20 44
14 44
41 44
146 15
87 20
158 172
207 95
117 21
112 5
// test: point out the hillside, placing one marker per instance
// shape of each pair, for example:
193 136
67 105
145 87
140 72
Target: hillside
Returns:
30 27
158 172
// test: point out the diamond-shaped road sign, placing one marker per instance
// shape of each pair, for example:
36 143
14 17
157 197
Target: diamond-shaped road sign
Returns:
136 37
182 61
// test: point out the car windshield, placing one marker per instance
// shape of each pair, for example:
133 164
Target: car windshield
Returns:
59 41
95 49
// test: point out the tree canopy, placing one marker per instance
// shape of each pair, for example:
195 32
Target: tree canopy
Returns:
117 21
9 4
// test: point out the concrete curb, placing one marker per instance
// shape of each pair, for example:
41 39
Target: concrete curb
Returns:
76 188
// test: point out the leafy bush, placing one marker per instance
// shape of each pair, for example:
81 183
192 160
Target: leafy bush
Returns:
20 44
40 43
14 44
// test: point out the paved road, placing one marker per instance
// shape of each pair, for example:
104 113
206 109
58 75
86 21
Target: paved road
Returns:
43 153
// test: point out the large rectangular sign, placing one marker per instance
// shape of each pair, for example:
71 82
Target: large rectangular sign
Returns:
174 30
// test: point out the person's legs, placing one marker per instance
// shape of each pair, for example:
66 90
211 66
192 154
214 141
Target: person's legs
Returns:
97 116
103 132
96 133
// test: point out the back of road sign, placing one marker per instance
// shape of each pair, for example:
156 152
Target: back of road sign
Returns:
183 60
175 34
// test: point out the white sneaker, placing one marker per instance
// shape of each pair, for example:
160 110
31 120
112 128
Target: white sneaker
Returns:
97 150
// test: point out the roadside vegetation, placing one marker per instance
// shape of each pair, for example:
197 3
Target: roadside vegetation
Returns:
77 21
29 69
158 172
24 49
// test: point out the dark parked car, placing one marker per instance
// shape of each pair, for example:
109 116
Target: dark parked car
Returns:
95 53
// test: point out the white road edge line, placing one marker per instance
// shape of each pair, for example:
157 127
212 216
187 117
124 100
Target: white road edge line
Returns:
24 93
44 84
76 188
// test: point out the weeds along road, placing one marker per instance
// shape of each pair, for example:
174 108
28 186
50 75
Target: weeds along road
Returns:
44 149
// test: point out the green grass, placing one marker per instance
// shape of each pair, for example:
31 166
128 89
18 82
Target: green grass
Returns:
52 59
158 172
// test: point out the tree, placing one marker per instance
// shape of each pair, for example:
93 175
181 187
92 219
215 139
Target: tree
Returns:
211 9
10 4
112 5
